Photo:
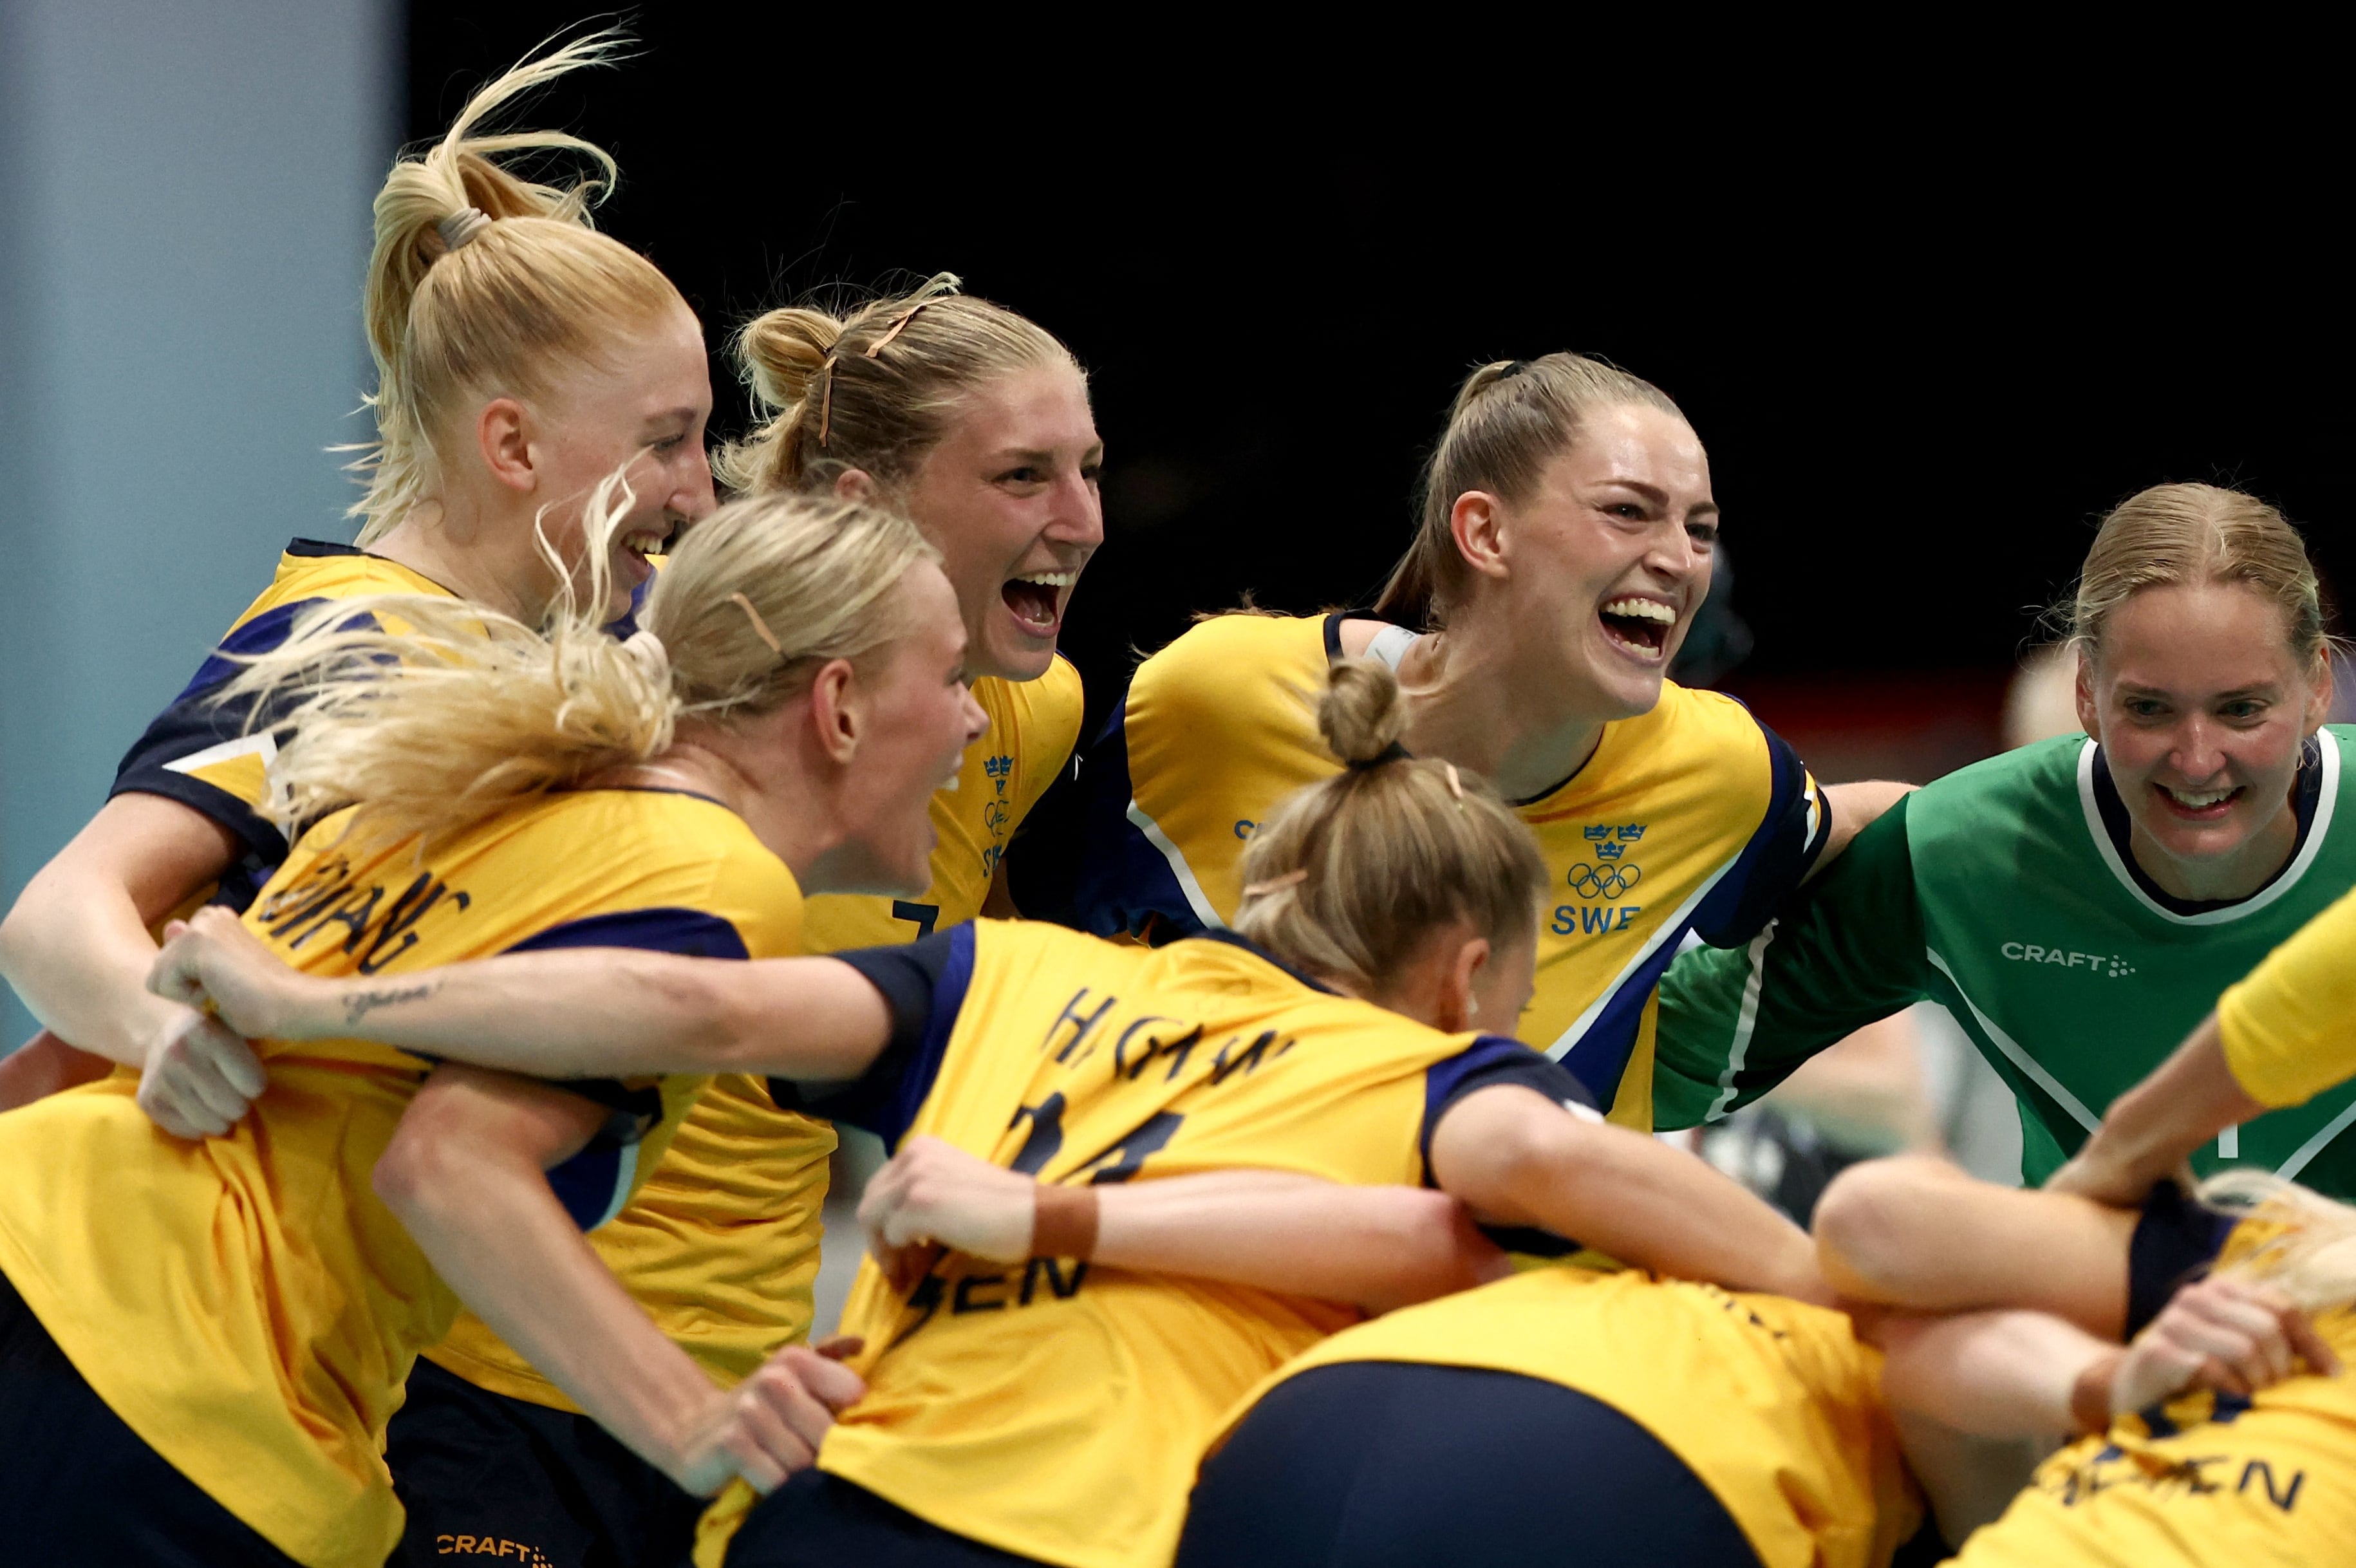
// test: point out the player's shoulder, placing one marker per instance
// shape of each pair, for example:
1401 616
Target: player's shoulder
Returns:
2042 779
1688 734
1240 645
312 569
645 844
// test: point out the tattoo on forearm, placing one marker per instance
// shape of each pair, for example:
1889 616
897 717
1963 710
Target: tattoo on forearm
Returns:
357 1005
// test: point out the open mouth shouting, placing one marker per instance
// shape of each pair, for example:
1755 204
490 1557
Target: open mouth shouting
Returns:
2198 805
638 544
1639 625
1037 600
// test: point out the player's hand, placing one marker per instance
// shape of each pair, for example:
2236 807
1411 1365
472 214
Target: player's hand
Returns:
2090 1173
933 1194
212 961
199 1076
769 1425
2225 1334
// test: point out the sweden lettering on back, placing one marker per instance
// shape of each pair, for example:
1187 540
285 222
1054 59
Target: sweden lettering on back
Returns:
376 929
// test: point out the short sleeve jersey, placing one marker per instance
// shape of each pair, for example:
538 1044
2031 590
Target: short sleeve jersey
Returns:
722 1246
213 757
1693 819
2008 893
2289 1028
246 1304
1056 1409
1775 1405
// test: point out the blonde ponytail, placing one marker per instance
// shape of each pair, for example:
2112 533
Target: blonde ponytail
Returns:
872 389
483 283
1351 875
483 712
1509 418
2312 1259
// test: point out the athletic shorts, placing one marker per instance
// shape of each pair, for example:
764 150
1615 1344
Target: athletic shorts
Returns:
818 1520
493 1479
1404 1465
78 1489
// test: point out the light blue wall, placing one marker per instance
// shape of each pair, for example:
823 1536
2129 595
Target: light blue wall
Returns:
184 224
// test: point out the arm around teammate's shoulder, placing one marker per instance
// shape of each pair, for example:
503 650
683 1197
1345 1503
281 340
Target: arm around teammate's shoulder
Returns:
1843 952
563 1012
1517 1159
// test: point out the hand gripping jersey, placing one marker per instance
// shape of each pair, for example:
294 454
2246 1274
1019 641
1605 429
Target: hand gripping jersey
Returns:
207 757
1772 1404
2203 1481
1693 819
2006 892
722 1246
1056 1408
246 1304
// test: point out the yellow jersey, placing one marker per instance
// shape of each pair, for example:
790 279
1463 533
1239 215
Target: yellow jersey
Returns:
722 1246
2203 1481
246 1304
1773 1404
1056 1409
204 755
1693 819
2286 1027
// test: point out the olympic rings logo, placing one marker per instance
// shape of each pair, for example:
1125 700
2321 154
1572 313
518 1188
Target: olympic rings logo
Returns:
1606 881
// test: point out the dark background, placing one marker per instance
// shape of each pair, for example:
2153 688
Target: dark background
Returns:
1926 346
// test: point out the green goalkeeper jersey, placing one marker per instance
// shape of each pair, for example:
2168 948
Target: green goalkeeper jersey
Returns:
2005 893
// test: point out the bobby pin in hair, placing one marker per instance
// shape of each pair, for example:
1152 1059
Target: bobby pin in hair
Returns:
825 397
897 327
1292 879
760 627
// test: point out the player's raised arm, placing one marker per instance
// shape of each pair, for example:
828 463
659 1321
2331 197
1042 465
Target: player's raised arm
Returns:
575 1012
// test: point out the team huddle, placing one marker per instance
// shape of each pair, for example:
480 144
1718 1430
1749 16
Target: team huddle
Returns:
448 1016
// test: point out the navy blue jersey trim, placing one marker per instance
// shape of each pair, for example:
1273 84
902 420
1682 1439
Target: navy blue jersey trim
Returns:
2175 1239
923 984
1781 853
1333 620
1124 884
1770 868
586 1181
1489 1060
1265 956
690 933
313 549
948 998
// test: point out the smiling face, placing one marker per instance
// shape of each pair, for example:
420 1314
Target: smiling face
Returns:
644 405
1009 497
2201 708
918 717
1609 557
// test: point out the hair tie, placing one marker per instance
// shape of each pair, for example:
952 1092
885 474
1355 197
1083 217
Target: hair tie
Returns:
897 327
647 651
760 627
825 397
1393 753
1513 369
461 227
1292 879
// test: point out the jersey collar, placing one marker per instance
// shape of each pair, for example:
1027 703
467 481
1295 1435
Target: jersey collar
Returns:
1263 954
2107 824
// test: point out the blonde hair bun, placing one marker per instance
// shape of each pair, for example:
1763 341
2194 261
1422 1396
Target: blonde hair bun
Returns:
780 353
1363 713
